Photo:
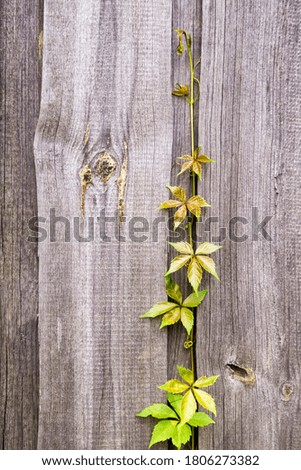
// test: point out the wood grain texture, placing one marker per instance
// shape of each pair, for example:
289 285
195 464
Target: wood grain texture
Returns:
106 81
18 257
250 122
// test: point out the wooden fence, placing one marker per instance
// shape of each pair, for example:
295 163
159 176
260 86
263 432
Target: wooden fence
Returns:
91 77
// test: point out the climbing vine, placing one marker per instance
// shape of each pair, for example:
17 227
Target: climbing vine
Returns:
179 418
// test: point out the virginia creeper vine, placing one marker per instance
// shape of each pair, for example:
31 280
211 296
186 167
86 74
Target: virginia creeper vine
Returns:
178 419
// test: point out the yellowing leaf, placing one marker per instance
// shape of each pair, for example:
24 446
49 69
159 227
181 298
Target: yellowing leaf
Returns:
181 435
178 192
180 215
174 386
200 420
206 381
208 264
207 248
195 203
186 157
162 431
204 159
173 290
177 263
169 204
171 317
181 90
186 374
188 407
205 400
183 247
159 411
194 299
194 274
197 168
187 319
158 309
186 166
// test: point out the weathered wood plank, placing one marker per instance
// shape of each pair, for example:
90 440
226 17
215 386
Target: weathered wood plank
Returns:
18 261
106 81
250 122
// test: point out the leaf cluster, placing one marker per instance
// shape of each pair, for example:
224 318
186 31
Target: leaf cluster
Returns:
171 425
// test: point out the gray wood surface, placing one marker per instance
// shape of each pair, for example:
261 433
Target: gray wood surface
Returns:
19 23
107 71
250 122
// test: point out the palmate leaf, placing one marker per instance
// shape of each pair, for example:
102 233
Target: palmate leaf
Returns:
205 400
189 407
186 374
206 381
162 431
173 290
171 318
159 309
200 419
159 411
187 319
195 203
208 264
195 274
194 299
207 248
174 386
181 435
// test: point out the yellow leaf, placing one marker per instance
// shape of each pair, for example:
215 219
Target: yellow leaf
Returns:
205 400
183 247
204 159
186 166
180 215
186 374
174 386
177 263
197 168
186 157
208 264
187 319
178 192
188 407
207 248
194 274
169 204
172 317
205 381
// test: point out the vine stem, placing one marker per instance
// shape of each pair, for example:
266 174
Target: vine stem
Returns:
193 190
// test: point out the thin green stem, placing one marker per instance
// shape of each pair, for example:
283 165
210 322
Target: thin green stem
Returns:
193 190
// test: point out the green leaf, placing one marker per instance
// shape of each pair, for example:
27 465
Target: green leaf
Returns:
183 247
204 159
174 386
205 381
208 264
189 407
181 435
175 401
173 290
177 263
159 411
200 419
207 248
195 274
194 299
187 319
178 192
171 318
186 374
158 309
162 431
205 400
